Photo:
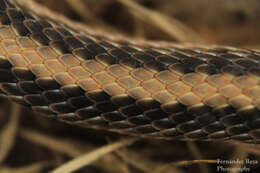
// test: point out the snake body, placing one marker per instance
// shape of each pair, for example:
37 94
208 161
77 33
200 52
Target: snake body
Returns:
155 90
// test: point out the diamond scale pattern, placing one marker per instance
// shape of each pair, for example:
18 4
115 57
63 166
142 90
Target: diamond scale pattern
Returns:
154 90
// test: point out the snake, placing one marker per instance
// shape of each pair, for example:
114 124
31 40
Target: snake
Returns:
149 89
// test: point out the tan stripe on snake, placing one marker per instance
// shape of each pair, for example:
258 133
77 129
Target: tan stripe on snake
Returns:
148 89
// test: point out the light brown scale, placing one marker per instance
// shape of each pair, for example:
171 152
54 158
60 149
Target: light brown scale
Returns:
117 70
69 60
54 66
32 57
215 100
128 82
189 99
204 90
253 92
152 85
240 101
179 88
164 96
138 93
219 80
113 89
93 66
245 82
256 103
193 79
3 52
167 77
10 46
26 43
46 52
142 74
78 73
230 91
17 60
64 78
88 84
7 33
40 70
103 77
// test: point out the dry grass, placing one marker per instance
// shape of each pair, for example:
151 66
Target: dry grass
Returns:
66 146
8 133
89 158
31 144
171 26
32 168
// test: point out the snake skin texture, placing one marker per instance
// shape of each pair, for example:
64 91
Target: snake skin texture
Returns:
147 90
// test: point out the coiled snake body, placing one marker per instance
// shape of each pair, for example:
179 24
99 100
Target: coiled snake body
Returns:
154 90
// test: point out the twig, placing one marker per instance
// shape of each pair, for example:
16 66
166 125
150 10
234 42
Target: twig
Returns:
88 158
32 168
55 144
173 27
137 162
8 134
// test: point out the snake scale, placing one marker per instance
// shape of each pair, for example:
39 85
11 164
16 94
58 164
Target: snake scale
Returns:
155 90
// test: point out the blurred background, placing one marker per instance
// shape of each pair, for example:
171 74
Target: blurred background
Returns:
232 22
30 143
